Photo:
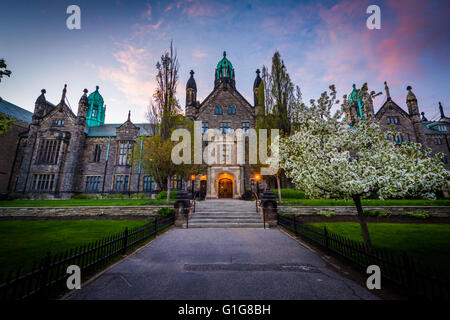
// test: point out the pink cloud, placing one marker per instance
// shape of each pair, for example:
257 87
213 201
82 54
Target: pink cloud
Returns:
147 14
133 76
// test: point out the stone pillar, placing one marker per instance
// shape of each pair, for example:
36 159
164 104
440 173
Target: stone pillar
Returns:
182 208
268 207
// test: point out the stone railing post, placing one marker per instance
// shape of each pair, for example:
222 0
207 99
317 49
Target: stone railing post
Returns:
182 208
269 208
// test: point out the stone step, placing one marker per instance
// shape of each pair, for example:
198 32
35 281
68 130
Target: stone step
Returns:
226 225
228 216
219 220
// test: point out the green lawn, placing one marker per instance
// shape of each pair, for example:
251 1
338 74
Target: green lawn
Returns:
143 202
365 202
80 202
428 242
23 242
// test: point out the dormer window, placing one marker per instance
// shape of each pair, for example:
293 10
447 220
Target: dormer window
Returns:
393 120
58 122
441 127
219 110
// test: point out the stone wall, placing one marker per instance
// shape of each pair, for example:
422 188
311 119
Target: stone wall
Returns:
395 211
50 212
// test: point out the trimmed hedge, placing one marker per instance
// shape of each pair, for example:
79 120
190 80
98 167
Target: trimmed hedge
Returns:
290 194
163 195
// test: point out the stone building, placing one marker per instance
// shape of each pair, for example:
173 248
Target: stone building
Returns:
225 110
62 154
9 141
56 153
411 125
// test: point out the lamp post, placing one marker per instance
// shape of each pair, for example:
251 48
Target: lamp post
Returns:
192 183
257 179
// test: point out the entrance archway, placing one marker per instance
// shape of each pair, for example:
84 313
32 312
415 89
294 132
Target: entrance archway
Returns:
225 186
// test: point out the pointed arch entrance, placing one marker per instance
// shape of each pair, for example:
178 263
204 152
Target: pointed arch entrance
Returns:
225 186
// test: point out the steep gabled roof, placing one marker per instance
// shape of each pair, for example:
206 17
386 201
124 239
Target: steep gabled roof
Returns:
15 112
392 104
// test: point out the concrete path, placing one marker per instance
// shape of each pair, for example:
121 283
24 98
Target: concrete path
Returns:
227 264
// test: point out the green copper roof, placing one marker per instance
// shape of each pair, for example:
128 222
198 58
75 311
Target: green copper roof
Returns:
97 109
96 98
225 66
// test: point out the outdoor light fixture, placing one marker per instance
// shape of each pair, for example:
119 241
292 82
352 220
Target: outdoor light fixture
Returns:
257 178
192 183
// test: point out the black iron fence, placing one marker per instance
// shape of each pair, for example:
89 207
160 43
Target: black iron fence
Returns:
48 278
414 278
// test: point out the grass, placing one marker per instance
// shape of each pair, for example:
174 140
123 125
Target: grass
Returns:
23 242
144 202
365 202
80 202
428 242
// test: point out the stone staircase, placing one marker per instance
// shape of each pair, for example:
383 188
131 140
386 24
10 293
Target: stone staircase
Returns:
225 213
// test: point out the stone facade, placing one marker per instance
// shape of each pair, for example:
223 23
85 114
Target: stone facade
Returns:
54 153
61 155
223 109
10 141
411 125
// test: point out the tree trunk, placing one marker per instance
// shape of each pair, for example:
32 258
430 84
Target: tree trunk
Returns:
278 186
168 189
362 221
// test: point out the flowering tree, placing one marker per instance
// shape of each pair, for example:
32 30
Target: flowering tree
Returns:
329 159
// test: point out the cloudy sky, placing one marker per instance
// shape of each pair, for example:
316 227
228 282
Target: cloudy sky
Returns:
322 43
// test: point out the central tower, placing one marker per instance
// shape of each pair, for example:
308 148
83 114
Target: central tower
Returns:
224 72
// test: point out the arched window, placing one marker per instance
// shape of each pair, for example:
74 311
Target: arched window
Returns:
219 110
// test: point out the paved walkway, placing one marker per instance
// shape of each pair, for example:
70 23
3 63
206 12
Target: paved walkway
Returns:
224 264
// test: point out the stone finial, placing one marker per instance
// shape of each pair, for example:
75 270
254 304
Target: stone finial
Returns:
411 95
129 115
224 54
63 97
388 93
85 91
423 116
192 73
41 98
441 110
258 72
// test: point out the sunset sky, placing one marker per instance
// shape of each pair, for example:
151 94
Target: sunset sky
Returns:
322 43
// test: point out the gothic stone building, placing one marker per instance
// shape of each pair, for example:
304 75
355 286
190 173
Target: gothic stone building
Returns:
57 153
63 154
224 109
411 125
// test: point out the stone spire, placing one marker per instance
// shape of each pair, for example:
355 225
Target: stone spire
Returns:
256 88
441 110
414 114
83 106
388 93
63 97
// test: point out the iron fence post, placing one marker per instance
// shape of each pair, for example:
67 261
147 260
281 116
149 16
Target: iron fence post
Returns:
327 244
125 240
295 224
156 225
44 275
408 274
